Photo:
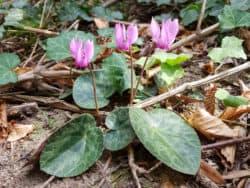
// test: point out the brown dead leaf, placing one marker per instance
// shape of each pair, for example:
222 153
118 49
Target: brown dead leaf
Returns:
3 114
211 173
237 174
22 70
210 126
101 23
245 34
209 68
229 151
210 99
165 181
19 131
3 120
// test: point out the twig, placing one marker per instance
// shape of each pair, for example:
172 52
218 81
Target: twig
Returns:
132 165
195 36
40 31
203 8
43 13
104 169
32 53
94 89
46 183
180 89
50 101
236 123
108 3
74 24
225 143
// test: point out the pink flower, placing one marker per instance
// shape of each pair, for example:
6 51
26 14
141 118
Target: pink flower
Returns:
164 36
81 53
124 39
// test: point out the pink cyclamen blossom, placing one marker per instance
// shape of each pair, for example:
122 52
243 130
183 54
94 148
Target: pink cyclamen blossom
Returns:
124 39
81 53
164 36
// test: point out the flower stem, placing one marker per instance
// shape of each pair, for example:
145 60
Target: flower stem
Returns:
140 77
142 70
94 88
131 79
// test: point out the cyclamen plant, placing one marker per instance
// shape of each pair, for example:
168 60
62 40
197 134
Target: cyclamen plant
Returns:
85 139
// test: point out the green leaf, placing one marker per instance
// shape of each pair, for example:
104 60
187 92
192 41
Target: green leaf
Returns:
168 137
1 31
8 61
58 47
232 18
71 10
83 94
14 17
235 101
105 32
116 69
20 3
190 13
230 100
168 75
171 58
73 148
221 94
214 7
106 13
231 47
240 4
121 133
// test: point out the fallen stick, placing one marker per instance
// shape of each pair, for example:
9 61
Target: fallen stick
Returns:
153 100
225 143
195 36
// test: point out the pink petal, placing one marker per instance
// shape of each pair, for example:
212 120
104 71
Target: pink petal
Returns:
132 34
171 29
119 35
154 30
88 50
75 45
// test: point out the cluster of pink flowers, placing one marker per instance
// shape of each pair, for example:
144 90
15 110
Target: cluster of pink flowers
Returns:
163 36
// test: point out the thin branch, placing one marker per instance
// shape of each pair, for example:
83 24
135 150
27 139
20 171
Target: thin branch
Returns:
132 165
43 13
226 143
195 36
203 8
40 31
153 100
108 3
46 183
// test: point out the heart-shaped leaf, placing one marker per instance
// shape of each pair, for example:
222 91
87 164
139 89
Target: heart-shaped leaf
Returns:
232 18
73 148
230 47
121 133
168 75
171 58
116 69
8 61
58 47
83 94
168 137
